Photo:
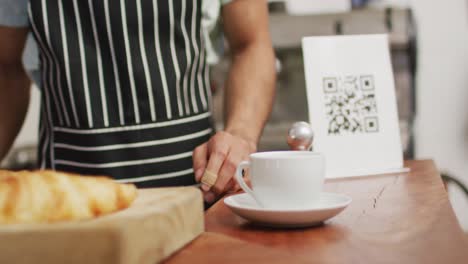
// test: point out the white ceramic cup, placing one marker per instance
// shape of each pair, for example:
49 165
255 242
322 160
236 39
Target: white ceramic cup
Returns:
284 179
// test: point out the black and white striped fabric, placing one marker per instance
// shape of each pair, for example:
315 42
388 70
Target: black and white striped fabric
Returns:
125 87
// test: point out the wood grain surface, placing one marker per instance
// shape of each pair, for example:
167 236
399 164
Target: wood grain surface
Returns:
158 223
217 248
400 218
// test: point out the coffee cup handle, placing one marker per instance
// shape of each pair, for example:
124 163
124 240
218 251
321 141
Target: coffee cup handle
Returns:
240 179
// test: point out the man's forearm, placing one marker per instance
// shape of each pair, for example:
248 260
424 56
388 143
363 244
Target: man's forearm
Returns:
250 90
249 96
14 101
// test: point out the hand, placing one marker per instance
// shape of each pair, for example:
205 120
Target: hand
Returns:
221 155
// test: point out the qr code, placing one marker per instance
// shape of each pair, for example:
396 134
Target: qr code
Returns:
350 105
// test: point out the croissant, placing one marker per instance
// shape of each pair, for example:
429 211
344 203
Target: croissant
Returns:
49 196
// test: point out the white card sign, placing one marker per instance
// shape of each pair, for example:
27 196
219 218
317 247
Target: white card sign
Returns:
352 104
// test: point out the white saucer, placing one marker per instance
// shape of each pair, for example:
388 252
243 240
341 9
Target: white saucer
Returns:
330 205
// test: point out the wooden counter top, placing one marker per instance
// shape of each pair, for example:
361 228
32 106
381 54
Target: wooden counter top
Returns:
399 218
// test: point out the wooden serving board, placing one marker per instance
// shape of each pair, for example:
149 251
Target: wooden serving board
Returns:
159 222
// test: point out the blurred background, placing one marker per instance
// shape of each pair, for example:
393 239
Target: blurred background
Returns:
429 46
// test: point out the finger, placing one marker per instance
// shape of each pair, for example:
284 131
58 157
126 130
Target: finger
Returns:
200 157
228 170
209 197
218 152
248 181
232 186
245 175
236 188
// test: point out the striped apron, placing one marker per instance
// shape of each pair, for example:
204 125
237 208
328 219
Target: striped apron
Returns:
125 88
